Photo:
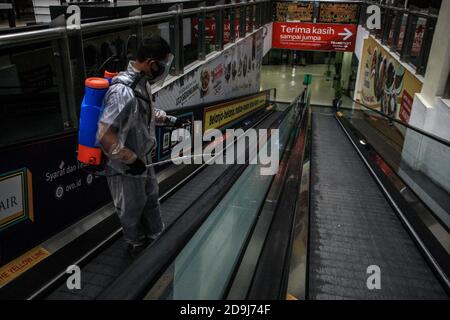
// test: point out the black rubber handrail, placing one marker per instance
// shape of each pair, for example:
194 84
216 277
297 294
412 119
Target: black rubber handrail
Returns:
420 131
271 275
242 278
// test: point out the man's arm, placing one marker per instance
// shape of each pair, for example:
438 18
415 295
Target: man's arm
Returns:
113 146
161 118
113 127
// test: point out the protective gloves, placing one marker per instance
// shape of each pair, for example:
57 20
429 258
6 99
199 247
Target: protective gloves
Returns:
136 168
176 122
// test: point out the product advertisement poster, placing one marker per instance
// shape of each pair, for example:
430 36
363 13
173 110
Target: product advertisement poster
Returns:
235 72
385 84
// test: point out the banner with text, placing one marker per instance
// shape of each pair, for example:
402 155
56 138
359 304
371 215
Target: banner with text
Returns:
220 115
314 36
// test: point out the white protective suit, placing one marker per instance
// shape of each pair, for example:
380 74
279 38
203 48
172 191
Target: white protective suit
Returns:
126 132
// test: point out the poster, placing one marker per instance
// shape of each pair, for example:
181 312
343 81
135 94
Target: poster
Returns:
314 36
384 80
16 197
417 40
235 72
210 29
294 12
339 12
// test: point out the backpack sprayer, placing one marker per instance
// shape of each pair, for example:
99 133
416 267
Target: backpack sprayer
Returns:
91 108
89 152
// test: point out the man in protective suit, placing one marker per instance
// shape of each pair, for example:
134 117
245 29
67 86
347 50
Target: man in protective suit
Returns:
126 135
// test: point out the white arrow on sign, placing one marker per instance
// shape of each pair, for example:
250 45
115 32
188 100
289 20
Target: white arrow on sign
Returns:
347 34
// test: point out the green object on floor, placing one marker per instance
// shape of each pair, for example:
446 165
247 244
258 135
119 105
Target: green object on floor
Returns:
307 79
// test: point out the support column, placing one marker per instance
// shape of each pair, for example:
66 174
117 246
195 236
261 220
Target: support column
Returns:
346 70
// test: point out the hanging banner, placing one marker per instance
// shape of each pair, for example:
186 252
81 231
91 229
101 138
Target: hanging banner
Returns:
314 36
235 72
210 29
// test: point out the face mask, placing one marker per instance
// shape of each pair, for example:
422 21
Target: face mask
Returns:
163 70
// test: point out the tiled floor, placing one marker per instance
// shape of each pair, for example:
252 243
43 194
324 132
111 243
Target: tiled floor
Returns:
289 82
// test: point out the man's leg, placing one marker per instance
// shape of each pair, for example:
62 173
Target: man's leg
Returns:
129 198
151 215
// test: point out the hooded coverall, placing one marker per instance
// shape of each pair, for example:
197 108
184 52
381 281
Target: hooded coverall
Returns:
126 132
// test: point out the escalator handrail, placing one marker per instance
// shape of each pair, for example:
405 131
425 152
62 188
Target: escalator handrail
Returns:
240 283
418 130
271 274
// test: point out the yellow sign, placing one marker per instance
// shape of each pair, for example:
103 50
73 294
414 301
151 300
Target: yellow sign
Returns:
18 266
222 114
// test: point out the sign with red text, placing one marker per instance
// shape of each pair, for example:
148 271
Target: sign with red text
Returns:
314 36
406 107
210 29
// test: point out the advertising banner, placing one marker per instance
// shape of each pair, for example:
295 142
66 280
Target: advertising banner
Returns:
31 210
294 12
314 36
235 72
417 40
223 114
210 29
384 81
339 12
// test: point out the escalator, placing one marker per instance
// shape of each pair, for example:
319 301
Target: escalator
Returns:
353 227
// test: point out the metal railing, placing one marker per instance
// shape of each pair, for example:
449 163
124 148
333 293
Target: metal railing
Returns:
69 56
407 31
363 107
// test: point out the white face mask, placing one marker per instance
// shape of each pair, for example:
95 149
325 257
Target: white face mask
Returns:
164 70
